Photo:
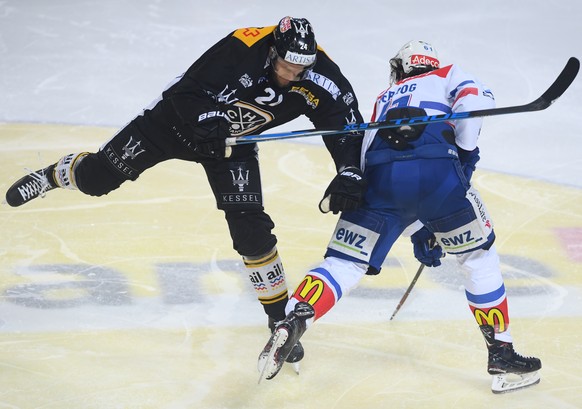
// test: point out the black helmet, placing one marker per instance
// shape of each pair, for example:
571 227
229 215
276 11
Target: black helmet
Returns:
295 41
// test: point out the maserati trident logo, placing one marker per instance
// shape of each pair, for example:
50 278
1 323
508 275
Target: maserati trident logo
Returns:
132 149
241 179
351 120
301 29
226 96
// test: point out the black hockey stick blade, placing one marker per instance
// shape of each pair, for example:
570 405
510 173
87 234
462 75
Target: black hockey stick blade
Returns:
555 91
559 86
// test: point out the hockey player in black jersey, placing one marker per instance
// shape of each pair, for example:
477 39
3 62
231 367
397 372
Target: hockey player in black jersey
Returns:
250 81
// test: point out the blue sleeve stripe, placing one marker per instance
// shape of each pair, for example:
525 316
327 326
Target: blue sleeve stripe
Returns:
330 279
454 92
486 298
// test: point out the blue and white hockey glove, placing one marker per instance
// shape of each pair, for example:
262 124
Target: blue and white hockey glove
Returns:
468 161
345 192
424 252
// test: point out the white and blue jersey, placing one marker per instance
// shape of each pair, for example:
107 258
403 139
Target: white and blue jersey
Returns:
443 91
423 181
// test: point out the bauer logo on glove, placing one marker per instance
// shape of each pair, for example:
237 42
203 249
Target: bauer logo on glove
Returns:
345 192
211 114
209 135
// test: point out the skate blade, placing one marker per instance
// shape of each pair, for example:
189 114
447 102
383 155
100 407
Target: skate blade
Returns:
267 366
501 384
296 367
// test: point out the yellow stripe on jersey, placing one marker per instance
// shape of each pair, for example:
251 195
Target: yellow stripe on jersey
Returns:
251 35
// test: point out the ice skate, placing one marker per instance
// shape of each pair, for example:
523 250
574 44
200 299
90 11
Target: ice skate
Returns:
284 346
297 351
510 370
31 186
35 184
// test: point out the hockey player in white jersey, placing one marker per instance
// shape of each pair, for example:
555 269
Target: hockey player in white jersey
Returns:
417 177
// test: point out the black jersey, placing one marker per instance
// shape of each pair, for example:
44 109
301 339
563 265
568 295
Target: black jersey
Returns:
235 73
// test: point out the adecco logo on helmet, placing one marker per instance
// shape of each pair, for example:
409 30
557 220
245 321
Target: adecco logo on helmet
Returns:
424 60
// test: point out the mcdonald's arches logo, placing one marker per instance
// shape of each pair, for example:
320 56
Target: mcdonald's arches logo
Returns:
493 317
311 289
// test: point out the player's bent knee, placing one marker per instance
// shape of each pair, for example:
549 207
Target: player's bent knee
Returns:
251 232
347 274
94 177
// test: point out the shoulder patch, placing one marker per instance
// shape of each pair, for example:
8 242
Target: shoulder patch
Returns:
324 83
251 35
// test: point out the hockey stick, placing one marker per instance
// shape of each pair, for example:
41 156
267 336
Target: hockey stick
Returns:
555 90
408 290
431 244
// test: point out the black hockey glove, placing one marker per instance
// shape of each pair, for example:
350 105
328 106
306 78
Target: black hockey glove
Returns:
345 192
209 135
424 251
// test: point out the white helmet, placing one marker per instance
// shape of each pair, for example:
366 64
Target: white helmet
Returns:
414 58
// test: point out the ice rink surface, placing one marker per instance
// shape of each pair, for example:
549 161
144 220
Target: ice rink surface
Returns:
137 300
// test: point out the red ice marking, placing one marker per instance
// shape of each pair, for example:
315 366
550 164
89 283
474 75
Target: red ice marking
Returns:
571 240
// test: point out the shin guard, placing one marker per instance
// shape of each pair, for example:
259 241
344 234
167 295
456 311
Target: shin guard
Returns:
268 278
485 291
64 172
324 286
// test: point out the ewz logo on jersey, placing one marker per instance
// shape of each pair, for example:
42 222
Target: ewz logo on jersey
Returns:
465 237
353 240
462 239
